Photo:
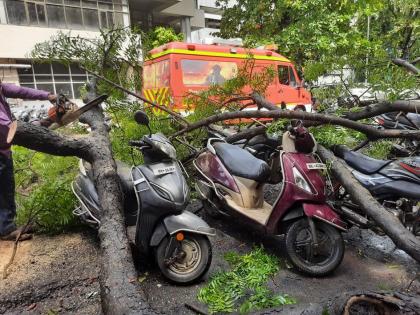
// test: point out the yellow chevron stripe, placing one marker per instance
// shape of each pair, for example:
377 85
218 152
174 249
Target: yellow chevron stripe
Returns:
159 96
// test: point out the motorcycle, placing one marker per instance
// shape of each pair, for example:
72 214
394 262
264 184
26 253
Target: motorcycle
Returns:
155 197
402 121
394 183
230 180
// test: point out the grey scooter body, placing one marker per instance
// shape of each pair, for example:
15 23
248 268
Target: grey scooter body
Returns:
155 197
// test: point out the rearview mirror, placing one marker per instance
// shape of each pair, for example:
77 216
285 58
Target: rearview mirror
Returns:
141 118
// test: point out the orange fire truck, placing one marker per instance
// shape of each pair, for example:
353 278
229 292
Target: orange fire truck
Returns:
177 69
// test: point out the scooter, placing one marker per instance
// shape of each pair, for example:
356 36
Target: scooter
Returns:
231 180
394 183
155 197
401 121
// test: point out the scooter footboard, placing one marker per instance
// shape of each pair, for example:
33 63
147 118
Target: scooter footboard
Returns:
324 213
186 222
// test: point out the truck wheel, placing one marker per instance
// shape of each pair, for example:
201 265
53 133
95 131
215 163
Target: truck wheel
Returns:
300 248
194 263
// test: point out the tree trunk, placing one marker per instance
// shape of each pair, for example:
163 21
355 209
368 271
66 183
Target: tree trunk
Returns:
354 303
120 292
402 238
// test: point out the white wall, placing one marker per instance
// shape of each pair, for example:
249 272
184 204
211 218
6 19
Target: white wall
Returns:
18 41
200 35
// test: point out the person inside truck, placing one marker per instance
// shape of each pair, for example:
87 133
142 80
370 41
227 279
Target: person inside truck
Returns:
215 78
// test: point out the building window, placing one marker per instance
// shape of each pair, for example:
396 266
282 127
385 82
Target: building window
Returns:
70 14
55 78
212 23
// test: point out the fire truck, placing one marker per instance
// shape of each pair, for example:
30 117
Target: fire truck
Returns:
177 69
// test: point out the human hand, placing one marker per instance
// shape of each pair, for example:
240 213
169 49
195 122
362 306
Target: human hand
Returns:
52 98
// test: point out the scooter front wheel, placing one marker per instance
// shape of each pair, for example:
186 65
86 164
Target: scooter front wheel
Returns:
314 260
189 265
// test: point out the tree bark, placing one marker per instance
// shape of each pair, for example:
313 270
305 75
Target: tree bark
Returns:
402 238
371 132
385 107
353 303
246 134
44 140
406 64
120 292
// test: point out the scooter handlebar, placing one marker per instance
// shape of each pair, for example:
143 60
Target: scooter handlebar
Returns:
137 143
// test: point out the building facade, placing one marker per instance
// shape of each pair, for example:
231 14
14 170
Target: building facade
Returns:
212 17
24 23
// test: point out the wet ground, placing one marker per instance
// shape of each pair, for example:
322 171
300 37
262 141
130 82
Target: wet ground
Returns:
58 274
51 275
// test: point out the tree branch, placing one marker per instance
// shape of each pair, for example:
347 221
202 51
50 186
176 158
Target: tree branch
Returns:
177 116
415 60
406 64
371 132
44 140
402 238
384 107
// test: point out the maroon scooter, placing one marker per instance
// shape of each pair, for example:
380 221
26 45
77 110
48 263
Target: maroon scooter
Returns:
231 182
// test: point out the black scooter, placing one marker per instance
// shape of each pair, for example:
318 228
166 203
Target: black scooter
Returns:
401 121
155 197
394 183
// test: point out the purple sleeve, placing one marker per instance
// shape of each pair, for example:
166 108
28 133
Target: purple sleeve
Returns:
15 91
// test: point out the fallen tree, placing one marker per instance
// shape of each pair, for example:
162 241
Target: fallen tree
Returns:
120 293
371 132
372 110
390 224
353 303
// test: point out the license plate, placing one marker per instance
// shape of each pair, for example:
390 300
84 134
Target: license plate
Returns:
164 170
316 166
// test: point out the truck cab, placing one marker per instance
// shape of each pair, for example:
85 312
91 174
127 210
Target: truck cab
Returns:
176 69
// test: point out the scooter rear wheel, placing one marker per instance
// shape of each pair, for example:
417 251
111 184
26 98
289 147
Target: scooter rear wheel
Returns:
192 266
300 247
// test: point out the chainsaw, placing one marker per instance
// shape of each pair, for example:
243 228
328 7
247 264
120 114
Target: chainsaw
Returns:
65 112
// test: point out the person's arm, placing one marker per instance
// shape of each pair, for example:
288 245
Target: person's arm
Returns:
15 91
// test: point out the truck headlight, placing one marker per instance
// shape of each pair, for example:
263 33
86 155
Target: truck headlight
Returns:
300 181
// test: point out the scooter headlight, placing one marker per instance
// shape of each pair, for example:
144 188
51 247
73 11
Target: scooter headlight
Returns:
300 181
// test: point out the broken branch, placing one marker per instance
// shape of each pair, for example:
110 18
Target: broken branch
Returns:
390 224
371 132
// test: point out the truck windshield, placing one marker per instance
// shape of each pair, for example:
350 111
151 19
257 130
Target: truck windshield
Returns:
156 75
206 73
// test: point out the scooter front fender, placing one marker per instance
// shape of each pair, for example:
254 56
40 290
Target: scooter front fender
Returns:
324 213
184 222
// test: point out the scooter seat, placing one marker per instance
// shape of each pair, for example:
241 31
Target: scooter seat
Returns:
359 161
240 162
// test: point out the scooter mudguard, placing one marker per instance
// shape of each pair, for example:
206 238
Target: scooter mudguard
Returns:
324 213
185 222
